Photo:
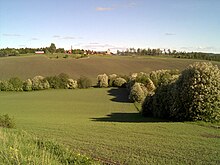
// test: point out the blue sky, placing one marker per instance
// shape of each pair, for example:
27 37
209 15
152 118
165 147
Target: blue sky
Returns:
190 25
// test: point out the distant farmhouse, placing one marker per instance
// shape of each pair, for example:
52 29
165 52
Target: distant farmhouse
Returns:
39 52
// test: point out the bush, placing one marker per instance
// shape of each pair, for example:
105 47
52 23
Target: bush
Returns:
6 121
6 86
163 77
84 82
72 84
198 93
194 96
111 79
138 93
64 79
149 85
54 82
16 83
120 82
39 83
58 82
140 77
27 85
159 104
102 81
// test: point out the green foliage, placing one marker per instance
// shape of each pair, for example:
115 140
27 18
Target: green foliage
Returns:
6 86
27 85
39 83
64 155
84 82
64 79
72 84
19 147
163 77
111 79
159 104
138 93
120 82
6 121
141 77
102 81
195 95
16 83
198 93
52 48
58 82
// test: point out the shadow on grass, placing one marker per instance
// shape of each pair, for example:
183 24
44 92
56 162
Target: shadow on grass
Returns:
119 94
127 117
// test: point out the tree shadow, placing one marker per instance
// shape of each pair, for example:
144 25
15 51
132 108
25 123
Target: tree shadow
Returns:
119 94
127 117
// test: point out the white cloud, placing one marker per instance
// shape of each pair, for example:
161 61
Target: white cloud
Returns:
56 36
104 8
68 38
34 39
12 35
208 49
170 34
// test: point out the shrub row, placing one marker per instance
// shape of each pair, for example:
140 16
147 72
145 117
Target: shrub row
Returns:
61 81
112 80
142 85
195 95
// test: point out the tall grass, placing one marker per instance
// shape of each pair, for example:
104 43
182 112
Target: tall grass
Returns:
19 147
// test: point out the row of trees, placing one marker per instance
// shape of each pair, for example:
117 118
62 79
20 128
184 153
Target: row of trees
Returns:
61 81
169 52
15 52
193 94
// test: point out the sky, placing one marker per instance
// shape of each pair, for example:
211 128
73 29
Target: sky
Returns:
183 25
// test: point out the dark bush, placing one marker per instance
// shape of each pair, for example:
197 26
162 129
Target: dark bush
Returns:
84 82
63 80
58 82
6 121
6 86
54 81
16 83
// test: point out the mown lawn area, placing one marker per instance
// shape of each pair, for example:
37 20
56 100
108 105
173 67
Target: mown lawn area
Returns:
102 123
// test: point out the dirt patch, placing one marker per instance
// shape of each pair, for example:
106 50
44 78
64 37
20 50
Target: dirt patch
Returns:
210 135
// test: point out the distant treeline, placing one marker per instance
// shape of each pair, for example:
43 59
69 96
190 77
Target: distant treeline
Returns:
15 52
171 53
128 52
47 50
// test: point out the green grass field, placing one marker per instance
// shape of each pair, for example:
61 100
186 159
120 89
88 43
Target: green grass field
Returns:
29 66
101 123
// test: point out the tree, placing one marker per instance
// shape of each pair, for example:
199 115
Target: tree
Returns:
52 48
102 81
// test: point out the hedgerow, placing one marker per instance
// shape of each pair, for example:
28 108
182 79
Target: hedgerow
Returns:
195 95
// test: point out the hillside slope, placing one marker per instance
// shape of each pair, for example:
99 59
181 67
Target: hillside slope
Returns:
30 66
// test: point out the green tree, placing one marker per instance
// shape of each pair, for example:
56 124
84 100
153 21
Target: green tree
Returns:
52 48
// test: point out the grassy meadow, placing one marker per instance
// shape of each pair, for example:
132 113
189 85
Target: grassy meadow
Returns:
103 124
